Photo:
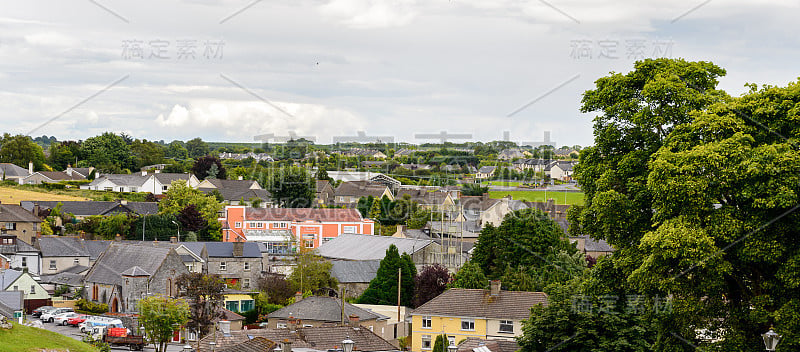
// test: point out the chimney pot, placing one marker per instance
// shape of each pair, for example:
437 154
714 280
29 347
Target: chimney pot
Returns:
30 167
118 237
353 319
173 239
238 249
298 296
144 172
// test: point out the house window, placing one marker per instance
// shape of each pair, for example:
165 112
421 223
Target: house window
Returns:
134 189
33 289
238 225
349 229
259 225
426 342
16 288
507 326
232 306
10 226
223 266
308 244
426 322
164 188
94 292
280 325
122 189
52 265
24 262
468 324
451 341
108 189
247 305
75 261
246 266
8 241
246 283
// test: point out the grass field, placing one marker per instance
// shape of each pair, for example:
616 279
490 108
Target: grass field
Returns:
9 195
27 339
502 183
575 198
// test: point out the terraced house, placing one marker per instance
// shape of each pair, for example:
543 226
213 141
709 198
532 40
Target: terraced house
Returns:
468 313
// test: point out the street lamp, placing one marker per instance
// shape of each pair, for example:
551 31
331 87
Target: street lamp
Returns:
179 229
347 344
771 339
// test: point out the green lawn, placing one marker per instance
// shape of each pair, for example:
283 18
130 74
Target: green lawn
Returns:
28 339
575 198
502 183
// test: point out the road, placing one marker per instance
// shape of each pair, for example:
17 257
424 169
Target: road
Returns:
75 334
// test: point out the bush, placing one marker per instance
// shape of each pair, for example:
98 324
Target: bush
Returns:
91 307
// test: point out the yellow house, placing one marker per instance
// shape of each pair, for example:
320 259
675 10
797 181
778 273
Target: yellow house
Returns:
463 313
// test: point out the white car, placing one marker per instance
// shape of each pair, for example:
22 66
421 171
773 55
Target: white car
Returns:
61 319
49 316
96 321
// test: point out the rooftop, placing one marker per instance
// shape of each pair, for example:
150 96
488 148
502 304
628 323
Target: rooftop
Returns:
368 247
479 303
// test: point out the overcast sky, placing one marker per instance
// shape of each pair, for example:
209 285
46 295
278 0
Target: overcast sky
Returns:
231 70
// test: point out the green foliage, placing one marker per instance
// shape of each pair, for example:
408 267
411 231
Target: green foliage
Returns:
61 290
46 230
205 292
525 238
439 343
469 276
472 189
108 153
160 316
290 187
196 148
179 196
383 288
156 227
146 153
255 202
19 150
108 227
91 307
311 273
96 343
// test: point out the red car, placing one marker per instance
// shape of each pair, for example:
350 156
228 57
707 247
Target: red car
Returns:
77 320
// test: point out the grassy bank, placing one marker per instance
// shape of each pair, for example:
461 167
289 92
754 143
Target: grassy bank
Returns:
27 339
572 198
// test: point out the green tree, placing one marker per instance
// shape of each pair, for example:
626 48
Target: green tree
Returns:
290 187
525 238
107 152
63 154
176 150
179 196
197 148
161 316
322 175
146 153
20 150
469 276
383 288
209 167
206 294
311 274
111 226
439 343
375 209
473 189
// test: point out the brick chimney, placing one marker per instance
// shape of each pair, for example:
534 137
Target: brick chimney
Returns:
494 288
173 239
238 249
353 319
298 296
30 167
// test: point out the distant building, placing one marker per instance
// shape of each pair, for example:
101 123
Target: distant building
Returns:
13 172
235 191
156 183
16 221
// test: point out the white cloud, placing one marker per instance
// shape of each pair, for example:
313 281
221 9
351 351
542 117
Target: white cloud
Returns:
365 14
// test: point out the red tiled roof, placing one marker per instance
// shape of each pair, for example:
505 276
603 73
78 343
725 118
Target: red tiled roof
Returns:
303 214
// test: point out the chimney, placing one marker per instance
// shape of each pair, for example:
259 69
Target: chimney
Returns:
225 326
494 288
241 178
144 172
298 296
118 237
173 239
157 171
353 320
238 249
287 346
292 324
30 167
68 171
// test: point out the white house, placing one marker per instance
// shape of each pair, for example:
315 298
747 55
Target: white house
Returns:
155 183
20 255
485 172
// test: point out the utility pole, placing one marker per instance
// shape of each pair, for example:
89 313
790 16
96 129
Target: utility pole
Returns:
399 282
342 297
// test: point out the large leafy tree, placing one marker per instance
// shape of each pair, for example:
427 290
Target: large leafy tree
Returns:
108 152
473 189
383 288
209 167
290 187
277 288
160 316
20 150
63 154
312 273
430 282
179 196
176 150
206 294
469 276
197 148
146 153
526 237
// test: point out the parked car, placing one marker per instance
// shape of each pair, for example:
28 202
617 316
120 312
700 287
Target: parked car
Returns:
61 319
96 321
74 321
38 311
48 316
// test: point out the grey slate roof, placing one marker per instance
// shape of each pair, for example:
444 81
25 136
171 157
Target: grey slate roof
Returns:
225 249
358 271
63 278
96 248
7 277
122 256
461 302
88 208
167 178
368 247
16 213
83 171
20 247
486 169
11 170
327 309
135 271
134 180
10 301
59 246
257 344
319 338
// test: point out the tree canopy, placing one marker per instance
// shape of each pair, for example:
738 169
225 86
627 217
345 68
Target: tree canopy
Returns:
383 288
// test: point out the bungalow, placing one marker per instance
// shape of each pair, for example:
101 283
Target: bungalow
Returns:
485 172
84 209
40 177
561 170
156 183
13 172
348 193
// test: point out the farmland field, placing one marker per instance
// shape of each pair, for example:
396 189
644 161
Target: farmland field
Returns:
9 195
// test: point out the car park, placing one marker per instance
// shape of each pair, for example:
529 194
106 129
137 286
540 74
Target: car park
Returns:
48 316
38 311
75 321
61 319
97 321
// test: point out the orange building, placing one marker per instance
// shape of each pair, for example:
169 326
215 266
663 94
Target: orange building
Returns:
309 227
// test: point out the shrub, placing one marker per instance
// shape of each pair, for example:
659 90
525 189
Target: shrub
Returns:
91 307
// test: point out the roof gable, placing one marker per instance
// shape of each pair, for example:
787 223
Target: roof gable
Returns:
460 302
